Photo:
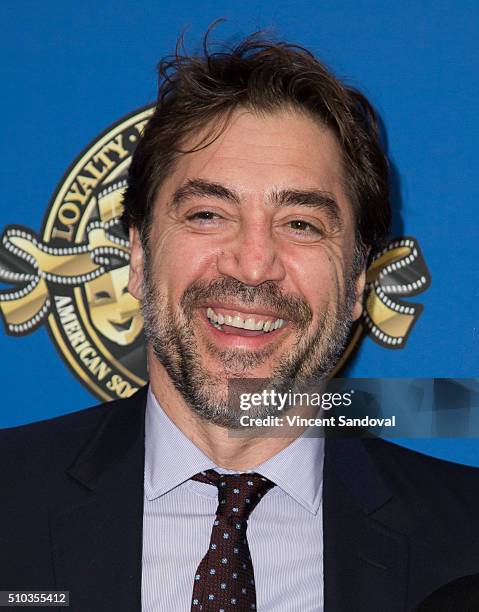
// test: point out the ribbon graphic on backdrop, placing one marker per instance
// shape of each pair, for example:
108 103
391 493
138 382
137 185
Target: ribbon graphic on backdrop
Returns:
399 270
34 266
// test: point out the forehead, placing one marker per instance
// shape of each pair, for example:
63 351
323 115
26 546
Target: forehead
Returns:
260 153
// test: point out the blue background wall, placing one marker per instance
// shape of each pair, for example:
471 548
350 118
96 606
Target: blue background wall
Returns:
69 70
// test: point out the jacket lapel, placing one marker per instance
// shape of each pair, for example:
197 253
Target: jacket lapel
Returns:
365 560
97 532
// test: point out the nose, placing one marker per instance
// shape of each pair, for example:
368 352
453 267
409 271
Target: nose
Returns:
252 257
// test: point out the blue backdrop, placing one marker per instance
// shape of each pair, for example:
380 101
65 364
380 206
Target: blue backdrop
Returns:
69 70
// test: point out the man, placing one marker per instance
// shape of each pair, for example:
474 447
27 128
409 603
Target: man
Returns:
254 198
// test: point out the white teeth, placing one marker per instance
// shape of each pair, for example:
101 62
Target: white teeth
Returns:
237 322
250 323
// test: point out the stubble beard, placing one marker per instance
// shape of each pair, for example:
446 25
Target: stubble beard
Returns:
171 334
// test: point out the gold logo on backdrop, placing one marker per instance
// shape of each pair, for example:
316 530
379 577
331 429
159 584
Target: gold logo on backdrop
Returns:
74 276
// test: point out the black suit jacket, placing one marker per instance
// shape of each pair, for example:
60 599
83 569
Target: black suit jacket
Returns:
397 524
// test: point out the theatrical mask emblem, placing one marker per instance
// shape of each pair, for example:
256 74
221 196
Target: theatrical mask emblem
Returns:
113 311
73 277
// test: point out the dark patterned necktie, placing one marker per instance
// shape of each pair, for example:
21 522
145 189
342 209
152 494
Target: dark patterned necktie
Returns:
224 580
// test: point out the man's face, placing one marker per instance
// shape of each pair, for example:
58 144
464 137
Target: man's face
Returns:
249 270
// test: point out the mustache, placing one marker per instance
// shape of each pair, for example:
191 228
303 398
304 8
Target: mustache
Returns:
268 295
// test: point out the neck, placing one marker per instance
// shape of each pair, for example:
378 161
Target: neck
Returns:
213 440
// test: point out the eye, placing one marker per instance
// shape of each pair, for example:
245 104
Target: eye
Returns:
202 214
205 219
305 229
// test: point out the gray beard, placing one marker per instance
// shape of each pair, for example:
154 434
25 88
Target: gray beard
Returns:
171 335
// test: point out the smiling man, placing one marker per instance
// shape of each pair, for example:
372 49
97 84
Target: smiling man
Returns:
254 198
272 283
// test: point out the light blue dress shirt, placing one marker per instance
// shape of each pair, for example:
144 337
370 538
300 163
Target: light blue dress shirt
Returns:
285 532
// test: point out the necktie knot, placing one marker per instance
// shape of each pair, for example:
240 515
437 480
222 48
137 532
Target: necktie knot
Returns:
238 494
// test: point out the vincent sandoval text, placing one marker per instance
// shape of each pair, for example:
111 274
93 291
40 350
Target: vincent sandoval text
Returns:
331 421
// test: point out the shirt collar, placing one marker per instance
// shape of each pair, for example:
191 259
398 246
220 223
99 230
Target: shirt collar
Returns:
171 458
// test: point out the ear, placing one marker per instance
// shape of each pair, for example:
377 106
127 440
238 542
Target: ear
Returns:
360 284
135 282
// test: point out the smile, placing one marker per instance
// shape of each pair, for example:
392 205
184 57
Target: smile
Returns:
252 322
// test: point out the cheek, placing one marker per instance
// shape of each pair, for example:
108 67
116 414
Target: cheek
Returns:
178 260
315 273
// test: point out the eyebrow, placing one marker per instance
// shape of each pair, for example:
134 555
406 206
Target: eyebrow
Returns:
309 198
204 189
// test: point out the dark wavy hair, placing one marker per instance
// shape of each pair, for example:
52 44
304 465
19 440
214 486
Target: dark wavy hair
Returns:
203 90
